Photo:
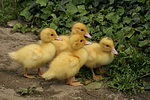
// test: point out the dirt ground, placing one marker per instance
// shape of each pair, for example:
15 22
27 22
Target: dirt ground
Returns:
11 78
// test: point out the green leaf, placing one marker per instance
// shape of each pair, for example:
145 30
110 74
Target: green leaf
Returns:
120 10
99 17
61 8
83 19
16 26
93 85
54 26
42 2
82 10
143 1
77 2
95 3
126 20
46 10
130 33
71 9
147 16
23 29
44 16
111 2
25 13
110 15
115 19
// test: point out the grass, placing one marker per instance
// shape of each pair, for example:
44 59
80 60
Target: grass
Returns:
8 11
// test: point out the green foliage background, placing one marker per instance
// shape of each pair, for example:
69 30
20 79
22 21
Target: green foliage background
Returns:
127 22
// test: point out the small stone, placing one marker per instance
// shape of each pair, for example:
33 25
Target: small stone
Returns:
12 23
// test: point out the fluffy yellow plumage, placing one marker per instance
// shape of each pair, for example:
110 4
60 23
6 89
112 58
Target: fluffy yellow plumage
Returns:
100 54
68 63
77 28
34 56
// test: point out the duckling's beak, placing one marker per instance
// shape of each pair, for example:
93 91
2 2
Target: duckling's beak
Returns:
87 42
114 51
87 35
58 38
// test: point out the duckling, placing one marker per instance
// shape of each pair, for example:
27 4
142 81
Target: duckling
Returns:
34 56
77 28
100 54
68 63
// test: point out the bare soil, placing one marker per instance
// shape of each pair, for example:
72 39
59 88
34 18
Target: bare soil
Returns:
11 78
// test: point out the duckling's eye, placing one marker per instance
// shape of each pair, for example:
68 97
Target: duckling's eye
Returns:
107 45
52 34
81 40
82 29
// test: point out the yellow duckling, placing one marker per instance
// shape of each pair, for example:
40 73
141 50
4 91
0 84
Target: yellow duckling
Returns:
34 56
77 28
68 63
100 54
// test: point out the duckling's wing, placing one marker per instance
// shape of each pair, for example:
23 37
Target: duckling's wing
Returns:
92 55
73 60
37 54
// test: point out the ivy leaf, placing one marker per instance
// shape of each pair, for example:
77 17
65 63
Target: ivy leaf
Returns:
111 2
83 19
115 19
77 2
147 16
130 33
93 85
42 2
120 11
143 1
44 16
54 26
99 18
95 3
61 8
110 15
126 20
16 26
25 13
71 9
82 10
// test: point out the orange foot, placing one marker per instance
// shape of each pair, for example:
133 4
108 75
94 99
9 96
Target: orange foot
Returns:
73 82
26 75
40 73
97 77
101 71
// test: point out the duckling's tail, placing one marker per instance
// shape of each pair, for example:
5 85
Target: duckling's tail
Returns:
48 76
13 55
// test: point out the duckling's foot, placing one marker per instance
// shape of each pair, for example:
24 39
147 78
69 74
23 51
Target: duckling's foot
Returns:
73 82
73 79
101 71
26 75
97 77
40 73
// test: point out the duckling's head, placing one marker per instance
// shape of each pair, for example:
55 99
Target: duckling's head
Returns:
107 44
81 29
48 35
78 41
